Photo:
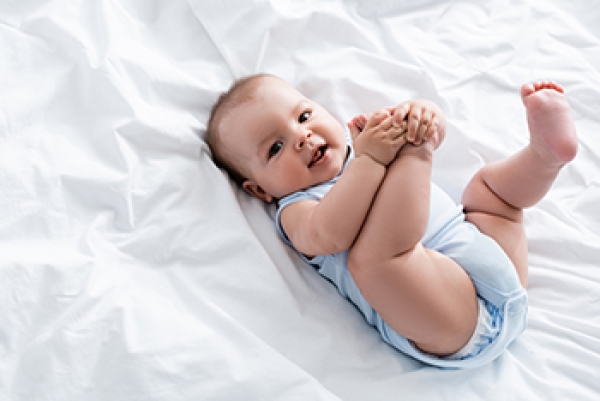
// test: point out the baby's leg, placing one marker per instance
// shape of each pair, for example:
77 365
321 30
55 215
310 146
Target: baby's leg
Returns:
423 295
496 195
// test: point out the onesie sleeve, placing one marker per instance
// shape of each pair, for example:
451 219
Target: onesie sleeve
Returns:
286 201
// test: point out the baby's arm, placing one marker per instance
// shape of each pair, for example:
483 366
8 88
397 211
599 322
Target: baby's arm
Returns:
404 194
332 224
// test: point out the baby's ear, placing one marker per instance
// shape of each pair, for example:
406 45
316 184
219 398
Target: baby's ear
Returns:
256 190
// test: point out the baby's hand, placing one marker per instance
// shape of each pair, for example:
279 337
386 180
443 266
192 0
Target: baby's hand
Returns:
423 119
377 136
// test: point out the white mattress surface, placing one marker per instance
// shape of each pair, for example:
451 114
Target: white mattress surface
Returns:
131 268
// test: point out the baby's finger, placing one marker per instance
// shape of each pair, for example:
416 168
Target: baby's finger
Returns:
414 119
433 128
390 110
402 127
400 113
356 125
396 130
424 125
360 121
375 119
380 119
354 130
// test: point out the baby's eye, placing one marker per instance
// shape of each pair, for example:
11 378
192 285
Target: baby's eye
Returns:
275 148
303 117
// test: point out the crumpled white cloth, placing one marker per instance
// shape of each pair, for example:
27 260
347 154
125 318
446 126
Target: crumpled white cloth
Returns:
132 268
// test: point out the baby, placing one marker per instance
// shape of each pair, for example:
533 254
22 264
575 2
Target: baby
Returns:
443 283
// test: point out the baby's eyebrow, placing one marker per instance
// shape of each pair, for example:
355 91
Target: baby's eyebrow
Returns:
300 107
268 137
304 104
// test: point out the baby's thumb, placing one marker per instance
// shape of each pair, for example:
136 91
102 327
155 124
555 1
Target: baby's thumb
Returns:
356 125
354 131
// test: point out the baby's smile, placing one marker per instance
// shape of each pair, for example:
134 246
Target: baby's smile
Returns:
319 155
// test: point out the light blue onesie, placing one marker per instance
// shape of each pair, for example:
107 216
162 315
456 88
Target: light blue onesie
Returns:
502 303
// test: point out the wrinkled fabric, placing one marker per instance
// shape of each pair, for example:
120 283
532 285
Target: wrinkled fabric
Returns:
131 268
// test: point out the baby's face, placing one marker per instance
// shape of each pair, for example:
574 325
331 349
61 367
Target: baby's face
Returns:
283 141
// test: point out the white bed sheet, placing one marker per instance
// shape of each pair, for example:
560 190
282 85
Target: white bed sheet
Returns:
131 268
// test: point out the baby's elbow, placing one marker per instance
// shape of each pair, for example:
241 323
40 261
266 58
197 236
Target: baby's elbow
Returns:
337 247
331 242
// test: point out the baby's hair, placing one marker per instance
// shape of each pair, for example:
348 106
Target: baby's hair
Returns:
239 92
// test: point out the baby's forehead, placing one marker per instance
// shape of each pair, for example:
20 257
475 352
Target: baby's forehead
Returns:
275 87
264 98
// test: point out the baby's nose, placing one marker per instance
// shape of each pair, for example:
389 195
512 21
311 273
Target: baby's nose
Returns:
303 139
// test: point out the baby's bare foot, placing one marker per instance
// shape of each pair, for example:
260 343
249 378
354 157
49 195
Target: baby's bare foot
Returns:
551 126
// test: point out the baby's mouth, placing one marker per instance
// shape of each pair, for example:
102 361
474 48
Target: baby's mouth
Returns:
317 155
